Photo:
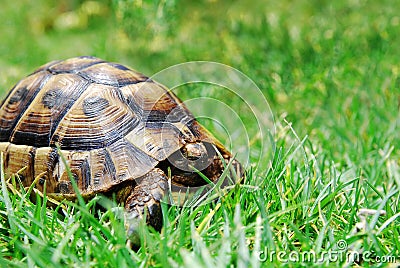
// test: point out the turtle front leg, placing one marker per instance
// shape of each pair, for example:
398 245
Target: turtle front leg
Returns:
145 200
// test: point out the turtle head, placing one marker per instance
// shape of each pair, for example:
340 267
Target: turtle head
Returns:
193 156
194 151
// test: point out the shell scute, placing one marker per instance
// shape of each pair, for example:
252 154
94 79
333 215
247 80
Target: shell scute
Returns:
45 161
129 161
96 120
113 75
17 102
43 114
20 159
102 169
73 65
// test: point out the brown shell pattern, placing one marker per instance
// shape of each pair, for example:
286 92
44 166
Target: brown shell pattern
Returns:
111 123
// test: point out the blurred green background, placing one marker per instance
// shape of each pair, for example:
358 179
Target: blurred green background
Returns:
330 68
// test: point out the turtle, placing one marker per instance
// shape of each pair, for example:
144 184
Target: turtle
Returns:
115 130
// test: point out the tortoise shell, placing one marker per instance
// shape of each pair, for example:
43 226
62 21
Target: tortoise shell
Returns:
112 124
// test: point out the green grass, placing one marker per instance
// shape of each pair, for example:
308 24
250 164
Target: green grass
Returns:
330 72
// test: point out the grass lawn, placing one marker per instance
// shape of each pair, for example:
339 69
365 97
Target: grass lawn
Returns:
325 193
